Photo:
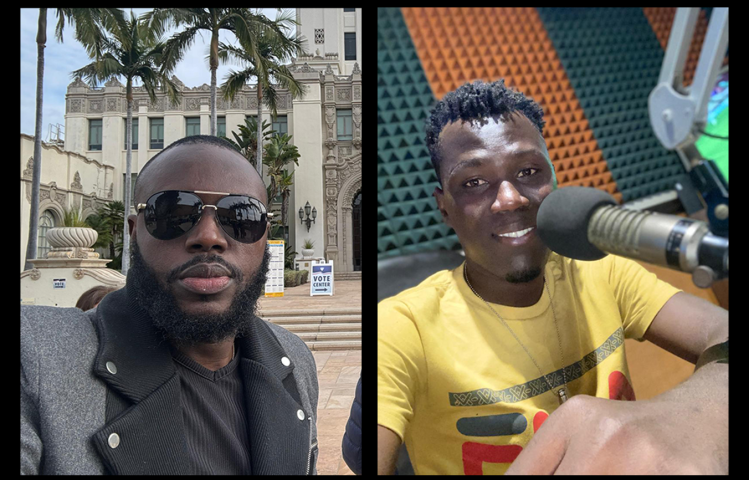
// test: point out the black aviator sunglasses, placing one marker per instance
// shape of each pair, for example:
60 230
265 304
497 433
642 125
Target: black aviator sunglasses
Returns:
172 213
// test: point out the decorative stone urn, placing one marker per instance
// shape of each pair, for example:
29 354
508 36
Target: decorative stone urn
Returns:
72 242
70 269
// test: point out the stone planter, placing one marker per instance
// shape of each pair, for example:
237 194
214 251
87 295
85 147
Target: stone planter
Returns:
72 237
308 252
72 242
70 269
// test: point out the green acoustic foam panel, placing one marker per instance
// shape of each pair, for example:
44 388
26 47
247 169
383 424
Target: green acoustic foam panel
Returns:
408 220
613 59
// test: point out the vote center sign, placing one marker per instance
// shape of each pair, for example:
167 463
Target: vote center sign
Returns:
322 279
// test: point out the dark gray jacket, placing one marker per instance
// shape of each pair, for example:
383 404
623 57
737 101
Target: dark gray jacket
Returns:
72 403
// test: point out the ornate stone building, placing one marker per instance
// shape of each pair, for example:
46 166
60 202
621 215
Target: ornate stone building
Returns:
325 125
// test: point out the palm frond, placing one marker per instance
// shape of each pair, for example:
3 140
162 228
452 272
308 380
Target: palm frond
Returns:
234 82
157 21
176 47
229 53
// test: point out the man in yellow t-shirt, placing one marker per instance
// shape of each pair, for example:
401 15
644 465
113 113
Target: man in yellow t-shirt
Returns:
459 387
473 361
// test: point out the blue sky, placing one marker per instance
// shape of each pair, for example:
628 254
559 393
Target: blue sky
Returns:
60 59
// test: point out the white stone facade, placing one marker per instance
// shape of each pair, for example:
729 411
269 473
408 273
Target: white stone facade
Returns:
329 171
68 180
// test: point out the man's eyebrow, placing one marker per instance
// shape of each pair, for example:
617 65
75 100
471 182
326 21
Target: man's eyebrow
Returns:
528 151
476 162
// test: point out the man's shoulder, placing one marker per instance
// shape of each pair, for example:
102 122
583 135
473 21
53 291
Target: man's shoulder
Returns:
427 294
57 340
51 322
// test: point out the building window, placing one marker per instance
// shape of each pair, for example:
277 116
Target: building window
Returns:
221 126
349 9
319 35
135 134
157 133
46 221
345 127
192 126
280 125
94 134
349 44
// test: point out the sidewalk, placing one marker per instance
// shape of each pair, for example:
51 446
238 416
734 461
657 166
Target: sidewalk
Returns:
346 293
337 371
337 374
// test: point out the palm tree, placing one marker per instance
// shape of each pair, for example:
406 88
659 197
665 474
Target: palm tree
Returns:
113 214
134 53
278 155
103 226
283 185
246 141
271 49
88 23
241 21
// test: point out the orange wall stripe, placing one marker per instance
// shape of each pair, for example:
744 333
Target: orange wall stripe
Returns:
459 45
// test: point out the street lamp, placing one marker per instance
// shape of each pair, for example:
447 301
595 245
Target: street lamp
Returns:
306 211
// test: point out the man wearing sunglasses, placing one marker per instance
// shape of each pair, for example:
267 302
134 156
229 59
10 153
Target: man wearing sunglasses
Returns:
174 374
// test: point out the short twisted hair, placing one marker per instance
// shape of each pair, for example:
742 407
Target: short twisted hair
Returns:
474 101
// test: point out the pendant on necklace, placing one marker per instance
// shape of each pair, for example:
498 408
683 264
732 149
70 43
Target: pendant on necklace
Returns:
562 396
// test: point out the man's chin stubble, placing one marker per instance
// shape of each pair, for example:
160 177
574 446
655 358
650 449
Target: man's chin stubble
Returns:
182 328
523 276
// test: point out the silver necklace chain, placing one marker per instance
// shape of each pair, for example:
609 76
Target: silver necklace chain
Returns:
562 392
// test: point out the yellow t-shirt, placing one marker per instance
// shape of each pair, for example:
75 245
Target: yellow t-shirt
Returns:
462 393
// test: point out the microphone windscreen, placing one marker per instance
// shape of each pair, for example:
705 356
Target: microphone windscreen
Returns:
563 218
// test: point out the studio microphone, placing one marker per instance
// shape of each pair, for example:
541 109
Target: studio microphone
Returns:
587 224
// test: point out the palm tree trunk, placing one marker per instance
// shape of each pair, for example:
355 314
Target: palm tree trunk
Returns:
214 66
128 162
36 177
284 208
260 132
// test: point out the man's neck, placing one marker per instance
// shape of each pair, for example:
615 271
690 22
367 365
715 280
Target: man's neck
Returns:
212 356
496 289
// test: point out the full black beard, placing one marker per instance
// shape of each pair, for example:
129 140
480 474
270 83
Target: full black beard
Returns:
181 328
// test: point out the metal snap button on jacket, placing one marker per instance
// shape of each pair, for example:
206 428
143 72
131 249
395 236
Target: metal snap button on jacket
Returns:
300 415
113 440
112 368
286 362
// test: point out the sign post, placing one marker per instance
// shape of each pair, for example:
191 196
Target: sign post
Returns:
274 284
322 279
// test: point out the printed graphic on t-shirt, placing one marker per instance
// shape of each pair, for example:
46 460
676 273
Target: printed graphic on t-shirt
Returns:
475 454
478 456
487 396
619 387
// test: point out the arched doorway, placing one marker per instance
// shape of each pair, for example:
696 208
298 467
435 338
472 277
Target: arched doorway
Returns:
356 227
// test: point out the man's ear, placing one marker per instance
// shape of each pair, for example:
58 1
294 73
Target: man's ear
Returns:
439 195
131 219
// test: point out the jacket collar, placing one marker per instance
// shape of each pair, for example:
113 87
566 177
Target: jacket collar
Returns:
136 364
